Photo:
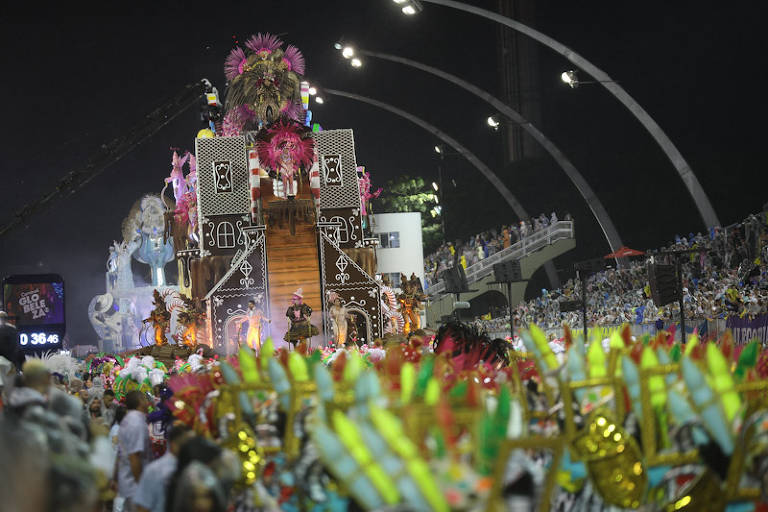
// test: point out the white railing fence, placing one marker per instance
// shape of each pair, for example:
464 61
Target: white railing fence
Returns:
560 230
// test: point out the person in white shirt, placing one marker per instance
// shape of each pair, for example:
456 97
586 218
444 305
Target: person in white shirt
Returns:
134 447
150 495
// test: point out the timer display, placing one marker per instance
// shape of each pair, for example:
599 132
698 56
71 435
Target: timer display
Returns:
38 338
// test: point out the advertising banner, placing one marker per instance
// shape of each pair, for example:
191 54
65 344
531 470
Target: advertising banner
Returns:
35 303
745 330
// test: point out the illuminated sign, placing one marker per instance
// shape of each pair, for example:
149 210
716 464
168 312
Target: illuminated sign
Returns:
35 304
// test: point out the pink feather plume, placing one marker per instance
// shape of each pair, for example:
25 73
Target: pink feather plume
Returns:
261 42
303 152
233 65
295 111
295 59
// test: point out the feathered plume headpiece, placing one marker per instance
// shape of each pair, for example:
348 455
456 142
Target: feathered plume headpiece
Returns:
263 45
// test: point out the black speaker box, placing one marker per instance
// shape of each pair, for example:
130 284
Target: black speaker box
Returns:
663 282
455 280
508 271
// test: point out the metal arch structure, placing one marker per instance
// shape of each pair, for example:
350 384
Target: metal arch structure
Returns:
690 180
511 200
594 203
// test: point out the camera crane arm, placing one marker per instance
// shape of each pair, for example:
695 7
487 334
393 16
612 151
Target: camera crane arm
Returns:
119 147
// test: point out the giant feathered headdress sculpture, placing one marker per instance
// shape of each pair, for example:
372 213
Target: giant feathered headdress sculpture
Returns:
264 84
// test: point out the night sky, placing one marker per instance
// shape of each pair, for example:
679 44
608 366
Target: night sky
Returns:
71 84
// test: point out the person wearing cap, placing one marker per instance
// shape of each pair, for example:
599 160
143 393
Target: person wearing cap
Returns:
298 314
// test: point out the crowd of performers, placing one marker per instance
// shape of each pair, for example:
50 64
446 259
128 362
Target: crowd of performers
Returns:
401 310
444 421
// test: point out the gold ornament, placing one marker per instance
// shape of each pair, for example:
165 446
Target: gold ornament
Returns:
613 460
249 452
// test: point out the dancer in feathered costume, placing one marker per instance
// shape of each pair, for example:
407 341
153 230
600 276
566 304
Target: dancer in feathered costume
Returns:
394 322
410 304
159 317
264 84
286 149
190 316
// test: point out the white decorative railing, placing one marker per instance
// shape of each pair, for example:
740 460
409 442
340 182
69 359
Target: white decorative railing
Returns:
561 230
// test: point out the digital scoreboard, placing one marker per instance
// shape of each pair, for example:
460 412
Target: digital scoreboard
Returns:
35 304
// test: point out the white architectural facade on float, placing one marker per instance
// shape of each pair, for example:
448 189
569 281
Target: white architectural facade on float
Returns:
401 248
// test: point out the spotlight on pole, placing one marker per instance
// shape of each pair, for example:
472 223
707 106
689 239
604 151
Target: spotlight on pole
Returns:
410 7
570 78
338 46
356 63
438 149
319 100
348 52
434 186
493 122
312 91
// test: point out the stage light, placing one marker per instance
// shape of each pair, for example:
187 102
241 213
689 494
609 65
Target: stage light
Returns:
410 7
338 46
347 52
493 122
319 100
438 149
312 91
570 78
434 186
356 63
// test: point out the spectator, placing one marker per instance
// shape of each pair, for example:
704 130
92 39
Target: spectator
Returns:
150 494
134 448
195 450
108 406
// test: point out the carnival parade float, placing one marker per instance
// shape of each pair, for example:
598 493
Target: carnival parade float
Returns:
269 224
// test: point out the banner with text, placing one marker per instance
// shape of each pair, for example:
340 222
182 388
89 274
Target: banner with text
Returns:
746 330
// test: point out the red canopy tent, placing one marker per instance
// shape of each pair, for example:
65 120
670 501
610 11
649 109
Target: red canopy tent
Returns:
624 252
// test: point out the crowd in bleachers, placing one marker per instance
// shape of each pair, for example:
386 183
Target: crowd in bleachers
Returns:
483 245
728 277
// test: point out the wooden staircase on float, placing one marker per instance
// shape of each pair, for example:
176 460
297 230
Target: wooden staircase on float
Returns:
292 262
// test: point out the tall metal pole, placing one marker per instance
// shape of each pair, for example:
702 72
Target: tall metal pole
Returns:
440 193
680 298
583 277
509 304
511 200
595 205
700 198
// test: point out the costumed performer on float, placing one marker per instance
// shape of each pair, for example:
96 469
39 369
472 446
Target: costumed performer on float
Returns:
255 317
410 303
298 314
160 318
339 316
